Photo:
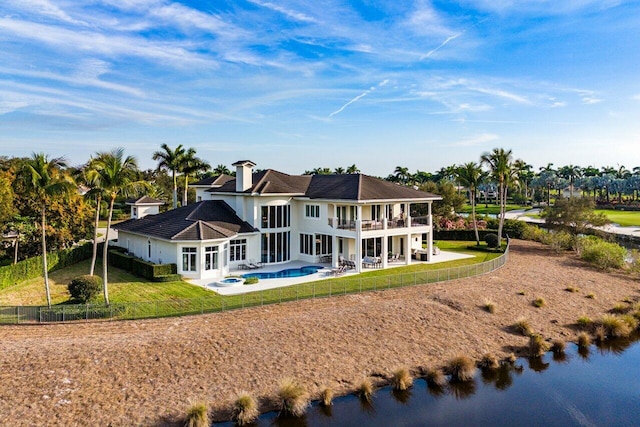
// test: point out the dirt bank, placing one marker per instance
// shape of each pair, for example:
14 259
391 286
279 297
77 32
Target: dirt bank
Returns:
148 372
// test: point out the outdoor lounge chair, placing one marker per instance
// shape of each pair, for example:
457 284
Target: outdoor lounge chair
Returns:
254 265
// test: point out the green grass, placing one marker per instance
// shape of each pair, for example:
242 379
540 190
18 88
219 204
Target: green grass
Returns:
123 287
491 209
623 218
139 298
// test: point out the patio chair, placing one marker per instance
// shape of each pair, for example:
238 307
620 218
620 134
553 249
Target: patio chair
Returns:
254 265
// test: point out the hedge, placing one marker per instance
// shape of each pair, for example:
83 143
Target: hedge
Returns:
31 268
141 268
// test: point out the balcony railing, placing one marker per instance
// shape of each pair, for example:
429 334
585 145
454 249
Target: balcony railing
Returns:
369 225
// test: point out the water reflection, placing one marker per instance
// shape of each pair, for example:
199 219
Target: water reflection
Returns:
604 391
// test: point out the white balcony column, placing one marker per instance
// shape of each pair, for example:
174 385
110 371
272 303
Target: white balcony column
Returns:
334 251
385 249
407 249
384 223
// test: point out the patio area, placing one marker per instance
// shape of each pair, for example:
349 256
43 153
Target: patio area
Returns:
321 274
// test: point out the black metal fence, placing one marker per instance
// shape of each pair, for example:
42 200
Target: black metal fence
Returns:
217 303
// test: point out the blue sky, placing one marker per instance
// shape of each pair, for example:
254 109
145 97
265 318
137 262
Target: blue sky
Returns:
294 85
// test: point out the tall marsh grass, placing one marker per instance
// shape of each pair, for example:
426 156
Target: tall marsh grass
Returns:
401 379
293 398
245 409
461 368
197 416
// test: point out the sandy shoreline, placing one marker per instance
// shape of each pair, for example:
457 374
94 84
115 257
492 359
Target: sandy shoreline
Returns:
148 372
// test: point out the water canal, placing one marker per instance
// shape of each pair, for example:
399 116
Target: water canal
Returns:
597 388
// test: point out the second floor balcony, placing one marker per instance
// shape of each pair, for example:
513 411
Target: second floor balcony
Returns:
383 224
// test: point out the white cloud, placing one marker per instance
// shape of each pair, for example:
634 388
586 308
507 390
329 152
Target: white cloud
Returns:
591 100
476 140
298 16
45 8
359 97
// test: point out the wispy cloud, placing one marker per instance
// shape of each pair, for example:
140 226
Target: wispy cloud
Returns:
476 140
357 98
298 16
45 8
441 45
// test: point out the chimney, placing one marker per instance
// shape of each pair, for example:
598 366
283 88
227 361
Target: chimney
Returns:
244 175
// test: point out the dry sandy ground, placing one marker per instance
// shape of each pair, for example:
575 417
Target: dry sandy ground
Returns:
148 372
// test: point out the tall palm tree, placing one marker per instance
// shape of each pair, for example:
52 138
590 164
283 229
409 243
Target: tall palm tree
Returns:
170 160
471 175
46 179
499 163
353 169
571 173
91 178
402 174
117 176
190 165
338 171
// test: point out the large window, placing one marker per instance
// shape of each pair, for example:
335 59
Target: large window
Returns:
276 216
306 244
312 211
275 247
238 250
211 258
189 256
324 244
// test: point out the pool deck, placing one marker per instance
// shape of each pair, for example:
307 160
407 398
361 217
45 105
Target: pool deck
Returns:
322 274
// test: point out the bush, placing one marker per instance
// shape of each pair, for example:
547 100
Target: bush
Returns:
560 241
461 369
522 326
85 288
538 302
604 255
401 379
245 409
492 240
535 233
251 280
293 398
365 390
197 416
537 345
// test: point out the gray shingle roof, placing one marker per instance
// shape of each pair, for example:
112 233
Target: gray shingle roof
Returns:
333 187
144 200
209 219
214 180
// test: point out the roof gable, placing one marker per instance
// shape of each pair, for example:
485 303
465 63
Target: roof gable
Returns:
209 219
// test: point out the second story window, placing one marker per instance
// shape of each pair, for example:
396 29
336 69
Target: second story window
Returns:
312 211
276 216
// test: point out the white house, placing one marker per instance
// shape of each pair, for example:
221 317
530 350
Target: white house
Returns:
273 217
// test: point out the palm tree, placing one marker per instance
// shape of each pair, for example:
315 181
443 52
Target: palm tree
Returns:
402 174
221 170
338 171
524 176
46 179
190 165
117 176
499 162
471 175
353 169
570 173
170 160
91 178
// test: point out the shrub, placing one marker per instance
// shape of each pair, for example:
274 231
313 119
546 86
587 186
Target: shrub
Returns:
327 397
251 280
511 358
488 361
614 326
630 320
584 341
600 334
522 326
491 240
537 345
197 416
558 346
522 293
85 288
620 308
489 306
365 390
560 241
590 296
245 409
572 289
534 233
461 368
401 380
539 302
293 398
435 377
604 255
584 321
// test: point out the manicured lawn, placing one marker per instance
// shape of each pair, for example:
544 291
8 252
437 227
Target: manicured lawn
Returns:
491 209
148 299
624 218
123 287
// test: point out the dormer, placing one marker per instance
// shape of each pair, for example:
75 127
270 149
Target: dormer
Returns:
244 175
144 206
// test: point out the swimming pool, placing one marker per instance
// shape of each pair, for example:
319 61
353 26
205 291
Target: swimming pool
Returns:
289 272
